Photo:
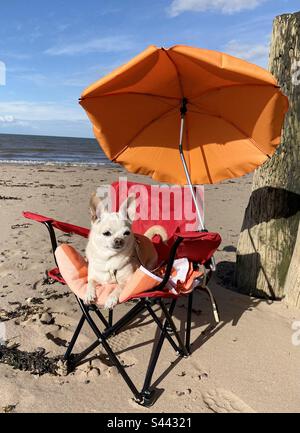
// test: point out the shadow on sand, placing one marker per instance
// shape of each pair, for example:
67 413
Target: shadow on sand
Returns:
232 306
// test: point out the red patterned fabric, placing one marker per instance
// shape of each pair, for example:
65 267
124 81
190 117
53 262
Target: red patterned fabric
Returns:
173 223
198 246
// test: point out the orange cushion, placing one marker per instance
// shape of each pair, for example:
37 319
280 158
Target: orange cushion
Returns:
74 270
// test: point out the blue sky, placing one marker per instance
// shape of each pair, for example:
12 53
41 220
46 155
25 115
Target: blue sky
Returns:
53 50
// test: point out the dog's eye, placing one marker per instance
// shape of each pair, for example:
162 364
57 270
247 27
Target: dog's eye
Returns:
107 233
127 233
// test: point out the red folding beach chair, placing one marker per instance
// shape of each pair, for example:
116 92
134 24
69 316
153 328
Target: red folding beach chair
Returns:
197 246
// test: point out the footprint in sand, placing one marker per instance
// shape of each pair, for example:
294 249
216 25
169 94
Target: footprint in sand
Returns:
124 339
118 343
223 401
121 342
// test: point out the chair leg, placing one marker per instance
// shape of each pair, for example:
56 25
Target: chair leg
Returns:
101 317
146 392
108 332
189 323
110 317
82 355
74 338
173 327
102 340
161 327
127 318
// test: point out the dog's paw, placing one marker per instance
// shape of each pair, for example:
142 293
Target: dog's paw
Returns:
111 302
90 296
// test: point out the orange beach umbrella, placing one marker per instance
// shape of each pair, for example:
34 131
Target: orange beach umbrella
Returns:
227 112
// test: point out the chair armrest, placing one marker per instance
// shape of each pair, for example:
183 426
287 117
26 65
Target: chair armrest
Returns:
64 227
198 246
37 217
191 235
70 228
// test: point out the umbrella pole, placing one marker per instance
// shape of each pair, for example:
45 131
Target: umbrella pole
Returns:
187 174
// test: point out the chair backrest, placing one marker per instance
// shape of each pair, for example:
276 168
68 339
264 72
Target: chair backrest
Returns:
170 207
174 210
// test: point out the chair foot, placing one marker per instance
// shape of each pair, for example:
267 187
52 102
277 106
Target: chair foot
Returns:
71 364
183 353
188 349
147 398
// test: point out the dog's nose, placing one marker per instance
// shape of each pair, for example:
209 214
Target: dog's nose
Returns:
118 242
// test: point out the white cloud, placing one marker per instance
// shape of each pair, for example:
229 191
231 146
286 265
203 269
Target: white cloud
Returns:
44 118
90 74
34 77
41 111
223 6
255 53
79 79
100 45
6 119
9 121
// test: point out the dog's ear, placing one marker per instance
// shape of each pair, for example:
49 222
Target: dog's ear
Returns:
96 207
128 208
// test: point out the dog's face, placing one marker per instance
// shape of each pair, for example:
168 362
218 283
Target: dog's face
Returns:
112 231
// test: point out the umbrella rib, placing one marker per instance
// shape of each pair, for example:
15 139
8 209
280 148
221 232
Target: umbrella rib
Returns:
140 131
201 149
132 93
235 126
177 72
226 86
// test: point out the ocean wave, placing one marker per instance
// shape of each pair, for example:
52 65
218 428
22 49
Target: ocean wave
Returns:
49 163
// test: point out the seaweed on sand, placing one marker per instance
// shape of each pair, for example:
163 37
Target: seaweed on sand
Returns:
2 197
27 310
35 362
22 310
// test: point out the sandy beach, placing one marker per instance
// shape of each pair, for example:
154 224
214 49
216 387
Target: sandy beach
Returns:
246 364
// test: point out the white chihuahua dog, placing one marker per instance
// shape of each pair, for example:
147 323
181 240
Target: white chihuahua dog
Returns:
113 251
